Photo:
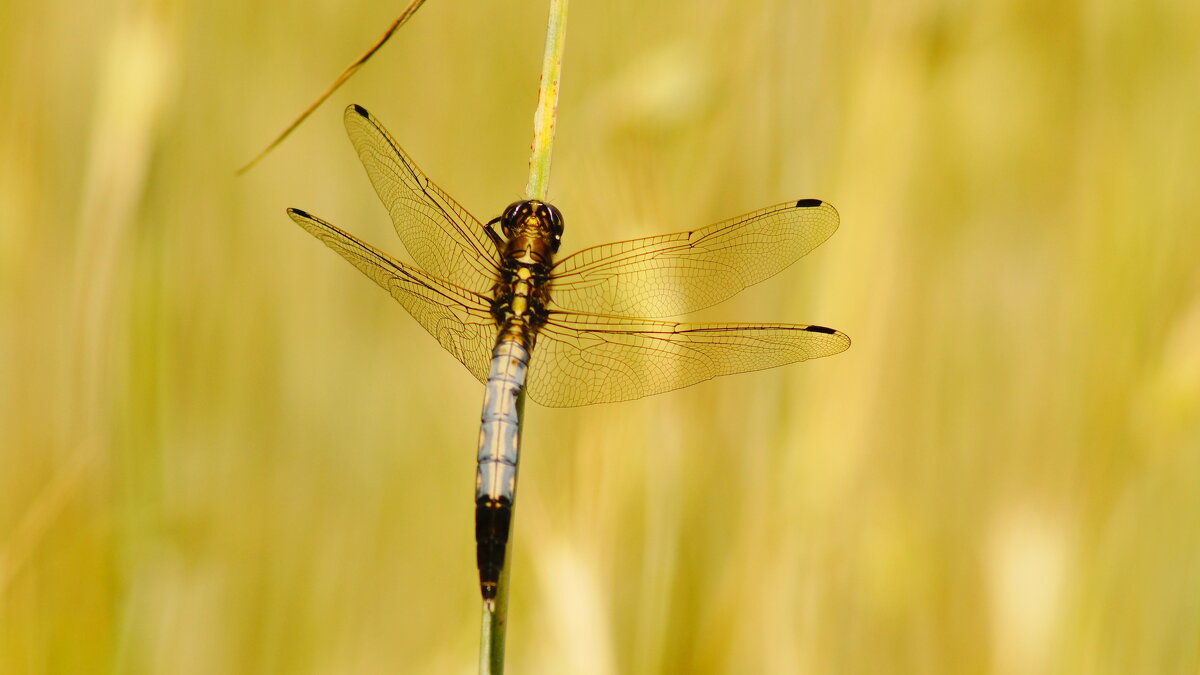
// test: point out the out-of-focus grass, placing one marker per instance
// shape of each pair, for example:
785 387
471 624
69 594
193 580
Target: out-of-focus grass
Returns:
225 451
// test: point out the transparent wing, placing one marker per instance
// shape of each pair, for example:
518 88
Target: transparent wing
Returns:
580 359
442 237
677 273
460 319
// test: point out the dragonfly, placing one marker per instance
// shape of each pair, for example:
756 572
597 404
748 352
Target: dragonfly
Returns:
580 330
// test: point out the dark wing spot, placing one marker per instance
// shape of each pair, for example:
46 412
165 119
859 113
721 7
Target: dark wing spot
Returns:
302 214
808 203
820 329
361 110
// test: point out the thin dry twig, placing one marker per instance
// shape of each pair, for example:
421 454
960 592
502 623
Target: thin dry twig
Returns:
341 79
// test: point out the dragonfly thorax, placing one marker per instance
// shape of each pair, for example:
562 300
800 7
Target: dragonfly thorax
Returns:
532 232
519 299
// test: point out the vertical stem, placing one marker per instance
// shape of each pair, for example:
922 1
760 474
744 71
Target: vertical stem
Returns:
494 627
545 116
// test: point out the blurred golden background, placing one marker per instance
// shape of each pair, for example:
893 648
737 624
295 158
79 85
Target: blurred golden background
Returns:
225 451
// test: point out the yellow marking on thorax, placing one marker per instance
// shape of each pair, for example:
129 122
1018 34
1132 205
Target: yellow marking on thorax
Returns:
521 291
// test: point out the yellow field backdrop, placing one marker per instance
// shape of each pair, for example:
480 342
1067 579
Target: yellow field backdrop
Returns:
226 451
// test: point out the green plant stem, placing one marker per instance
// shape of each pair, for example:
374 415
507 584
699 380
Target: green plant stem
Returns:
494 628
547 108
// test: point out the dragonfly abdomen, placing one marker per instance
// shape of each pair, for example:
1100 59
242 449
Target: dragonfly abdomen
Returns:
499 448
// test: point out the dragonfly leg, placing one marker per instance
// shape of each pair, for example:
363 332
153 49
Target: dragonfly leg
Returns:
490 231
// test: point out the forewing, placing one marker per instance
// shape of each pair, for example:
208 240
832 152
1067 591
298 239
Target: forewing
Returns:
673 274
442 237
580 359
460 319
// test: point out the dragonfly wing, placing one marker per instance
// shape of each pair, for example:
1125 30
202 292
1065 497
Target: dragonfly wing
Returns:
460 319
581 359
673 274
441 235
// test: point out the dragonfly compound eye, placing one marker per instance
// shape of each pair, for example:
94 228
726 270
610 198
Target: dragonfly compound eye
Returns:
510 218
555 220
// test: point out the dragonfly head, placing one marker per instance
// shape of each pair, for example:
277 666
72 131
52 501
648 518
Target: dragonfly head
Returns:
533 219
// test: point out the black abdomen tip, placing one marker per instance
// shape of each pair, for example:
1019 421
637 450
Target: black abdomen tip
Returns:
492 518
360 110
808 203
820 329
